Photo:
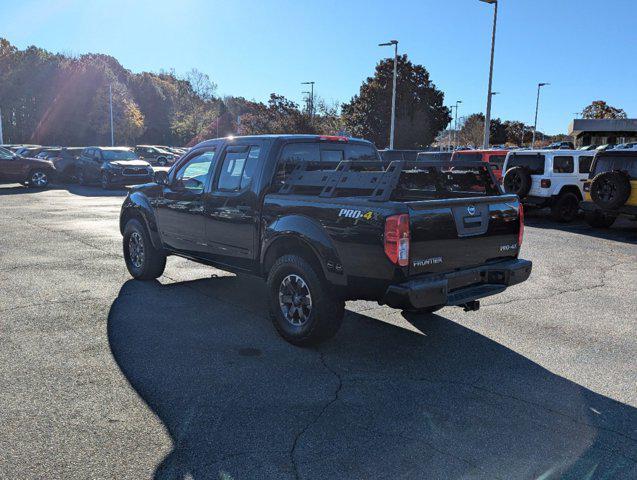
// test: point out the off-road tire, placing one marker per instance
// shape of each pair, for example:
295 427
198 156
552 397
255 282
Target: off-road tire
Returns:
517 180
154 261
327 310
599 220
610 190
565 208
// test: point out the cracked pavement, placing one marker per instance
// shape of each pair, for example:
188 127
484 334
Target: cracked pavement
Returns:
185 378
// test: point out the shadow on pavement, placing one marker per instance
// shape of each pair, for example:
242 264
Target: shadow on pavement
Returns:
84 191
378 401
623 230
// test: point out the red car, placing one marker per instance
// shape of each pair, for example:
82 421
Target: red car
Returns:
494 157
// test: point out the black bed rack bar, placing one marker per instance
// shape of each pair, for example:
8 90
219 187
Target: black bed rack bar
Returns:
380 182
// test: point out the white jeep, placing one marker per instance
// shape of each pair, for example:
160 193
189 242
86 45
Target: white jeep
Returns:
549 178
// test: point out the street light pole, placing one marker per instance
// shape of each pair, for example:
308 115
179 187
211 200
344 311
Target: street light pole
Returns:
487 120
455 125
393 97
311 84
110 98
537 107
1 135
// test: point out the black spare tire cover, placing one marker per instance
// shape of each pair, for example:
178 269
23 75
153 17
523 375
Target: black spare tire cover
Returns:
517 180
610 190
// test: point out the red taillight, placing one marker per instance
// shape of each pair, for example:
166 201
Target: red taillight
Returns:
397 239
333 138
521 232
545 183
587 187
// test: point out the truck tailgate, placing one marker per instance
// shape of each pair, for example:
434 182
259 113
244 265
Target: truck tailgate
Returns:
459 233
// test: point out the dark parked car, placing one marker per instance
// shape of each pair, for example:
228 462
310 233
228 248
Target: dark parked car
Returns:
155 155
31 172
309 215
65 160
111 167
30 151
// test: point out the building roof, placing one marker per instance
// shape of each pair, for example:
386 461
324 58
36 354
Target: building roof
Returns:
582 125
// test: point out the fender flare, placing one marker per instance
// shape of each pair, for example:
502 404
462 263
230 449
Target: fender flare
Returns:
309 232
138 206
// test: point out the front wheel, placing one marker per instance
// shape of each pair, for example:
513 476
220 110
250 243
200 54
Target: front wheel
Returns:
143 260
106 182
38 179
303 307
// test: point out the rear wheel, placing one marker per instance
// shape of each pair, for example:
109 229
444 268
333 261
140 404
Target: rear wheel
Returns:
143 260
599 220
303 307
565 208
162 161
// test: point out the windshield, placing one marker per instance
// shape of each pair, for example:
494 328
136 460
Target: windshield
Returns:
5 154
110 155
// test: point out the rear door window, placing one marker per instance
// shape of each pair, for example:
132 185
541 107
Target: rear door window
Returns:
563 164
238 169
534 163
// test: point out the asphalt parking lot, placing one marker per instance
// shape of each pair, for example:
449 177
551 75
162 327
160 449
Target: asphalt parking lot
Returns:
106 377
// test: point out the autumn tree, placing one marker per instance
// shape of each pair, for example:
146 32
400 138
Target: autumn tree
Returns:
600 109
420 113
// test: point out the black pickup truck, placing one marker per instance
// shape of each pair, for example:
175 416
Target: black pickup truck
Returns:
322 222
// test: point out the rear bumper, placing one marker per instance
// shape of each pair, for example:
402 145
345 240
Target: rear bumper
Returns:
591 207
459 287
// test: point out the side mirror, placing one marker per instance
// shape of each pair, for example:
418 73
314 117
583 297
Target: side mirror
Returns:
161 177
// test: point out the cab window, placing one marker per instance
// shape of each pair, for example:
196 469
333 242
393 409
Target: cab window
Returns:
192 175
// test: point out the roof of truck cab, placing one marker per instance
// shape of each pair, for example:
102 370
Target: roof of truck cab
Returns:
287 136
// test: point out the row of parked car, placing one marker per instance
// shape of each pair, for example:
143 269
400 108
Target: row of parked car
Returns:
602 183
37 166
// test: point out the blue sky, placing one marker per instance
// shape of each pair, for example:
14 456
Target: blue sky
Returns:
584 48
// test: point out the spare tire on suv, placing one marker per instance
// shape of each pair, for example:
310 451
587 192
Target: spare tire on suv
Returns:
517 180
610 190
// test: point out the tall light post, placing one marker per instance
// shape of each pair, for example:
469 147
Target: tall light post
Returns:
393 96
487 119
110 101
455 123
537 107
311 84
308 100
1 135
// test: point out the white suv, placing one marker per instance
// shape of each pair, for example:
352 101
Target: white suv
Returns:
549 178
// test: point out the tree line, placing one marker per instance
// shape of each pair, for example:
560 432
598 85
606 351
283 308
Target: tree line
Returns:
57 99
